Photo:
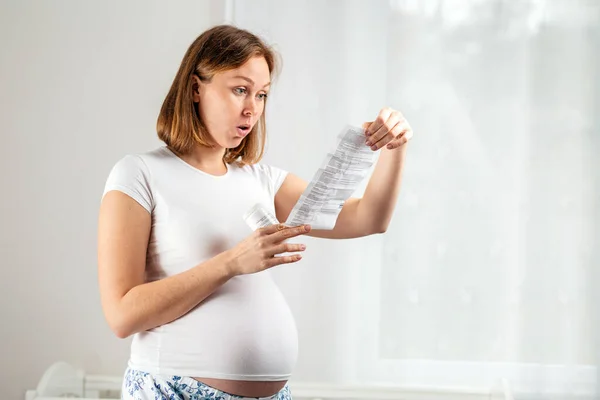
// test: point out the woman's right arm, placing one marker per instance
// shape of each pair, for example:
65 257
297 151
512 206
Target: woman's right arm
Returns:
130 305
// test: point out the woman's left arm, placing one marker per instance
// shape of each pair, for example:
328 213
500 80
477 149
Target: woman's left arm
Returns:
372 213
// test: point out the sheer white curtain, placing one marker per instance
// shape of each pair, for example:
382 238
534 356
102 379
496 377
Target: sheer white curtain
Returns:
488 270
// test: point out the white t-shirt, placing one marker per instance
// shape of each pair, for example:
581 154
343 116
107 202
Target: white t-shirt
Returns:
244 330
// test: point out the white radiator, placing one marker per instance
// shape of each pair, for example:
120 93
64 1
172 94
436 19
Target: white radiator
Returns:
62 381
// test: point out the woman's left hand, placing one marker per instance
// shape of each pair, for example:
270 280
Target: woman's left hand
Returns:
390 129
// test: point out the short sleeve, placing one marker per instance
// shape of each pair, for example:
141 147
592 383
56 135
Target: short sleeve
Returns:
131 176
276 177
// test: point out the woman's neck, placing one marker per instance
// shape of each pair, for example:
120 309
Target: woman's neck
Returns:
209 160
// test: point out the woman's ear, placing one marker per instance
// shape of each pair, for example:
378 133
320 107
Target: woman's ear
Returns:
196 88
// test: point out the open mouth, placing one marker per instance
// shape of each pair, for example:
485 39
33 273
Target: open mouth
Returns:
243 130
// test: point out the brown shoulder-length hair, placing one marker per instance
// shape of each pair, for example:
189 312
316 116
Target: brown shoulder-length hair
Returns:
218 49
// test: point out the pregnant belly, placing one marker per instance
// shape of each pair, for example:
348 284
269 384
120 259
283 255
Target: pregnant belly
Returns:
243 336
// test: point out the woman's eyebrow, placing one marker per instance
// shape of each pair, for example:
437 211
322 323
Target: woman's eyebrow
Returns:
249 80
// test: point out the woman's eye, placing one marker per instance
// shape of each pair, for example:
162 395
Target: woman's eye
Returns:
263 96
240 90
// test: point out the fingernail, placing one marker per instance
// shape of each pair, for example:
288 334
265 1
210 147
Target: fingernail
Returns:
302 247
307 228
373 147
368 143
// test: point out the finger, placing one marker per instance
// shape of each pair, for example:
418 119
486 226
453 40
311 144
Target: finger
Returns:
401 139
269 230
383 116
397 131
271 262
393 120
383 141
286 248
289 233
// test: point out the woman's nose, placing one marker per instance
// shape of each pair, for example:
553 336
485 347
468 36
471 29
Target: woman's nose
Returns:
250 108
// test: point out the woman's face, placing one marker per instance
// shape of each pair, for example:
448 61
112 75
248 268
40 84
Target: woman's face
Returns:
233 101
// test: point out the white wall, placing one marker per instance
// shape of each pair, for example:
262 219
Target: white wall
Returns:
81 85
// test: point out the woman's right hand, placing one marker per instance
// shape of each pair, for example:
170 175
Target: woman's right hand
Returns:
257 252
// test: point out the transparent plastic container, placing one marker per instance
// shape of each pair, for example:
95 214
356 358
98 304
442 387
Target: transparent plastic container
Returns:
259 217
